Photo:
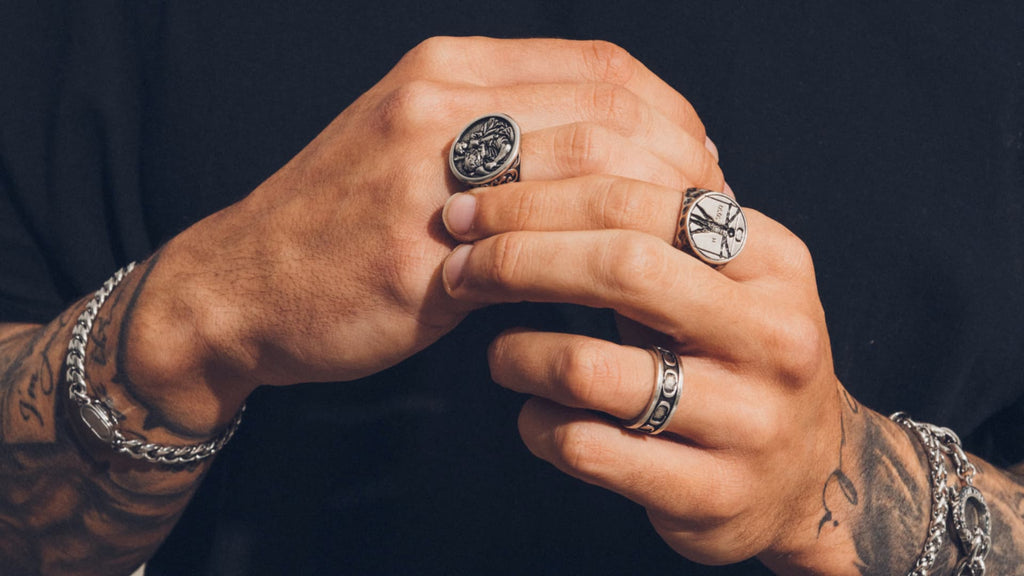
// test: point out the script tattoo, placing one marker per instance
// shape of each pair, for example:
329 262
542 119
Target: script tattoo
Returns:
62 508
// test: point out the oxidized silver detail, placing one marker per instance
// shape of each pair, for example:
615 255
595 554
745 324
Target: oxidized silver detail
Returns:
711 226
665 397
973 531
486 153
100 418
973 525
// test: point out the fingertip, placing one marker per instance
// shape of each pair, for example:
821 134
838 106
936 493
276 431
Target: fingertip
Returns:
535 427
459 213
710 145
453 267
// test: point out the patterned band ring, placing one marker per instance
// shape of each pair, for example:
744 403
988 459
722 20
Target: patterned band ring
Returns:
667 388
486 153
711 227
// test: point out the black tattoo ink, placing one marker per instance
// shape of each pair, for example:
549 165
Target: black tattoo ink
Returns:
838 476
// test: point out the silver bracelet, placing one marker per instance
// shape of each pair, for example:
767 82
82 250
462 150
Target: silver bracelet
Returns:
102 419
972 531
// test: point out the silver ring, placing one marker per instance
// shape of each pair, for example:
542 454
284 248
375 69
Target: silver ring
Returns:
667 389
486 153
711 227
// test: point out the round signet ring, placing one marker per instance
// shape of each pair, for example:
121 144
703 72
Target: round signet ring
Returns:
486 153
664 398
711 227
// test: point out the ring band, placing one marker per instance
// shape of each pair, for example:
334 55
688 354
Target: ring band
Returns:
711 227
667 389
486 153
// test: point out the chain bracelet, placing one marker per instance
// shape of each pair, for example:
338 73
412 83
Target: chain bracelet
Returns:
103 420
973 541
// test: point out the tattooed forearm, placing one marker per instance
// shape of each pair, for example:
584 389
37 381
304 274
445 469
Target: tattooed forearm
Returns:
879 497
67 504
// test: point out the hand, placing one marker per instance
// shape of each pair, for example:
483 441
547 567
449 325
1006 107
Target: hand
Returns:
330 269
741 468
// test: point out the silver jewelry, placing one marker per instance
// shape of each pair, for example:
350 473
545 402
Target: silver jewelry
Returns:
101 419
973 530
486 153
711 227
668 387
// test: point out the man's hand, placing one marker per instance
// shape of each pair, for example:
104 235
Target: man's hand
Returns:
330 269
767 454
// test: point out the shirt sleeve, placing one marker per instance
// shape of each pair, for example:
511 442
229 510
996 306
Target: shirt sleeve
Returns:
27 289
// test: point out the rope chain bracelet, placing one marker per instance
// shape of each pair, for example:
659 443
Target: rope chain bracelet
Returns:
102 419
966 507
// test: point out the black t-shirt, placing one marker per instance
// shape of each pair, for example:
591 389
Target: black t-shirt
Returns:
890 139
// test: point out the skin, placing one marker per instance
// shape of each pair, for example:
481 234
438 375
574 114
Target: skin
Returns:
767 454
344 241
762 458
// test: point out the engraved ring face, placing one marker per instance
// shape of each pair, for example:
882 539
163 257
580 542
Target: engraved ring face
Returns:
665 396
711 227
486 153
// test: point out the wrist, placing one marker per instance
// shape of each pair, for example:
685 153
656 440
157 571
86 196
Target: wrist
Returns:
174 354
873 509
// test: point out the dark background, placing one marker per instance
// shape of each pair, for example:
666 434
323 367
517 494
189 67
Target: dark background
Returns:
889 137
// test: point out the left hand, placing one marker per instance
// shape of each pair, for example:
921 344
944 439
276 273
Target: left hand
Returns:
740 469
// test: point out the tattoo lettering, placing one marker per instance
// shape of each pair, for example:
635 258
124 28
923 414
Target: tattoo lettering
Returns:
61 507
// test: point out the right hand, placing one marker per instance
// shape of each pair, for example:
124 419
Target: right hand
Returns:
330 270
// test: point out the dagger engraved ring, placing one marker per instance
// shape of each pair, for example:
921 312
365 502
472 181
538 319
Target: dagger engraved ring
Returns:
711 227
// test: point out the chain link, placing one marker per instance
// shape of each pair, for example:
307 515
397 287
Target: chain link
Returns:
101 418
973 541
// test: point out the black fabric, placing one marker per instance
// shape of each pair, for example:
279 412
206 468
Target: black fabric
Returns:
891 139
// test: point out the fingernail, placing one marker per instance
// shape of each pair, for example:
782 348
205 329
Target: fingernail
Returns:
711 147
454 265
727 190
458 213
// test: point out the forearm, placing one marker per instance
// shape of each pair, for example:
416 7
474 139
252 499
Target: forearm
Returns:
874 508
68 503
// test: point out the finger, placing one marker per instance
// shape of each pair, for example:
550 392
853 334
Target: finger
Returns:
712 148
600 202
501 62
580 372
636 274
654 471
585 203
539 106
585 148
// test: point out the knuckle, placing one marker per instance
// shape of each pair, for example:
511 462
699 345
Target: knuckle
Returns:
795 346
585 368
432 52
625 204
504 264
580 450
527 206
410 104
796 258
636 266
612 104
585 152
609 62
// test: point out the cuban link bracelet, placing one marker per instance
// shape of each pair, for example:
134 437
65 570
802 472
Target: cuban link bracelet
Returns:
101 419
974 541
